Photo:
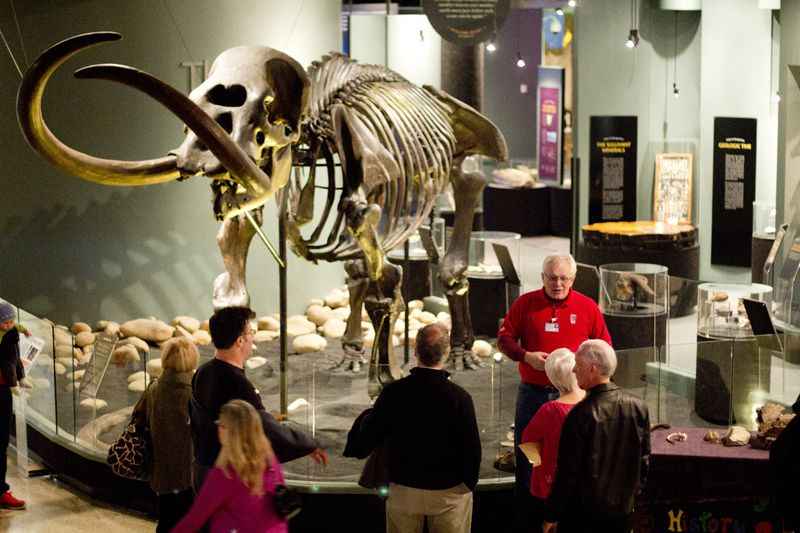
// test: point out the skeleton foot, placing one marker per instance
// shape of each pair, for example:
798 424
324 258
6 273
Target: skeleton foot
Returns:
352 362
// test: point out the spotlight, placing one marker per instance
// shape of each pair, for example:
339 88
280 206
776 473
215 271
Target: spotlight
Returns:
520 61
572 3
675 91
491 47
633 39
776 98
559 12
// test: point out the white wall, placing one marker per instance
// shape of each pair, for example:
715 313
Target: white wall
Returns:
735 82
73 249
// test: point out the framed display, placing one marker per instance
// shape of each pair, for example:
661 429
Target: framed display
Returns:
672 190
612 168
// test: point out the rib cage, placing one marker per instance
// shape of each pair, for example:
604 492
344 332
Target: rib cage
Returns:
410 122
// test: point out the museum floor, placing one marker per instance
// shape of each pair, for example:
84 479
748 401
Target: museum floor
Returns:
337 400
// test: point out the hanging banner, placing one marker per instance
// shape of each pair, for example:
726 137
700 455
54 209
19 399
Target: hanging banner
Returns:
550 107
466 22
612 169
734 190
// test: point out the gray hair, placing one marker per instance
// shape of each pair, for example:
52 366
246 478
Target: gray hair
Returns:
558 367
556 258
433 344
601 354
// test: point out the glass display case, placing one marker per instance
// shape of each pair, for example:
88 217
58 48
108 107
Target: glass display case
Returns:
483 262
763 219
634 289
720 310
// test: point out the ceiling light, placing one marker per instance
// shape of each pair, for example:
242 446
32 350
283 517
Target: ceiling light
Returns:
520 61
559 12
633 39
675 91
572 3
491 47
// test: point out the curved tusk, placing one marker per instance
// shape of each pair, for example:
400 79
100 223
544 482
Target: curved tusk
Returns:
241 167
41 139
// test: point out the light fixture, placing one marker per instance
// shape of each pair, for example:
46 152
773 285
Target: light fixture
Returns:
491 47
572 3
559 12
633 35
633 39
776 98
675 91
520 61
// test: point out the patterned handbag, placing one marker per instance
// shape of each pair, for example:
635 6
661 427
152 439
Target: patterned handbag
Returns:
131 454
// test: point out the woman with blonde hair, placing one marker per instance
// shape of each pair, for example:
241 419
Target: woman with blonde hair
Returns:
237 494
167 404
544 429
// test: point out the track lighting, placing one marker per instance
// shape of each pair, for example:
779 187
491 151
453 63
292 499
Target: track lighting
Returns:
675 91
633 39
520 61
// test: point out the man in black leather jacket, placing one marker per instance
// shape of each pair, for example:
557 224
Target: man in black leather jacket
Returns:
604 451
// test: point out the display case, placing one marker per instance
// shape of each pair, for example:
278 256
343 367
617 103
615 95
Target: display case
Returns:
634 300
763 219
720 310
483 262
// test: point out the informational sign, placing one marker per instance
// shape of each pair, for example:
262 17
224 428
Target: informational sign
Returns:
466 22
550 107
29 350
672 190
612 169
103 348
734 190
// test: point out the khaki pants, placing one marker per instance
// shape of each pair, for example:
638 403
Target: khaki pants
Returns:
447 511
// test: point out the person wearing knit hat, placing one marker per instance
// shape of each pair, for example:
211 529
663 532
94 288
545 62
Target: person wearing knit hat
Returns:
12 375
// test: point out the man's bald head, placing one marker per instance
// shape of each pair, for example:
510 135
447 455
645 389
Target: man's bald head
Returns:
433 345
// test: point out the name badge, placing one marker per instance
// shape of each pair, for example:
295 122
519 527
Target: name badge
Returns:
551 327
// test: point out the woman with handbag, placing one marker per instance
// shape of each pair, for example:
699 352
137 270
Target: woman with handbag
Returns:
239 493
167 407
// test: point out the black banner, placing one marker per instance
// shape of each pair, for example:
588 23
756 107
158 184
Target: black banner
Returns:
734 190
612 169
466 22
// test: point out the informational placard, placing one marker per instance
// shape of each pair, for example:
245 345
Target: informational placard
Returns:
103 348
612 168
672 189
550 110
734 190
29 350
466 22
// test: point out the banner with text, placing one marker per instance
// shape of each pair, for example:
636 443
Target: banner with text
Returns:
550 108
612 168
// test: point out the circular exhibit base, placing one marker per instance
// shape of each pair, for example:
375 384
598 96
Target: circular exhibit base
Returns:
636 330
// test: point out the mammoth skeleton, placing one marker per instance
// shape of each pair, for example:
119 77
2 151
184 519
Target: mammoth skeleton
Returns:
258 115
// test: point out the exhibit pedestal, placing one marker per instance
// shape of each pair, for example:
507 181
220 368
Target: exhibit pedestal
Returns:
760 246
489 300
632 331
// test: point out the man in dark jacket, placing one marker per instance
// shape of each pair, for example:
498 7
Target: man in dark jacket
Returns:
604 451
433 447
223 379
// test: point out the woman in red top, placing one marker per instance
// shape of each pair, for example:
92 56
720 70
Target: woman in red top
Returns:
237 493
544 429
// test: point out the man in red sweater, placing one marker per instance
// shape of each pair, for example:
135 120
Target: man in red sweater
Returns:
539 322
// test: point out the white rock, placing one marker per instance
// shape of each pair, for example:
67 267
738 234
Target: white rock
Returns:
269 323
60 369
319 314
265 336
64 350
84 338
205 326
63 336
315 301
137 386
65 362
154 368
148 330
364 314
299 325
482 348
181 331
125 354
369 338
337 298
137 343
342 313
40 383
308 343
94 403
100 325
136 376
201 337
445 319
366 325
44 360
255 362
415 304
75 376
112 329
188 323
80 327
425 317
88 350
334 328
77 353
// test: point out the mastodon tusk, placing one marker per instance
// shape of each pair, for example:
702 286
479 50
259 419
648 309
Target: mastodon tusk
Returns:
41 139
241 167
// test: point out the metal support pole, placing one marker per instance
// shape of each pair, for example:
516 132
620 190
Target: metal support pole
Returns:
407 268
284 362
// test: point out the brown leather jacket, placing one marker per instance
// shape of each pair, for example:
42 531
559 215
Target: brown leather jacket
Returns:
168 416
603 456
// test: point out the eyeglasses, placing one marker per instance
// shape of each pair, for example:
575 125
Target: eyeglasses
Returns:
553 279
